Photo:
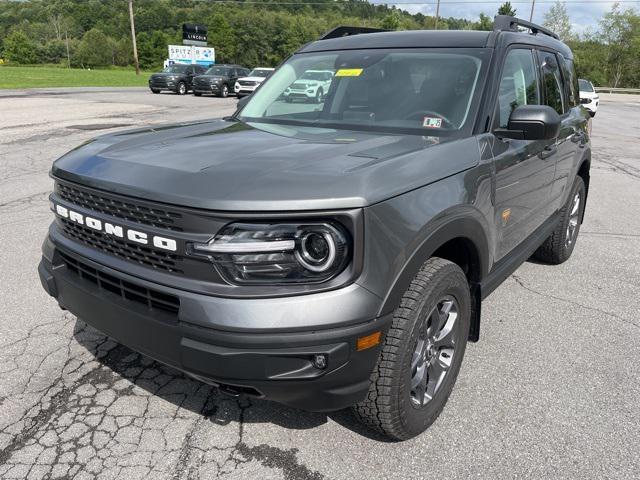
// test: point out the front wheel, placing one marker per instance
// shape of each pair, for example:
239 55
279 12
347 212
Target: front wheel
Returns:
422 353
224 91
182 88
155 90
319 96
197 94
559 246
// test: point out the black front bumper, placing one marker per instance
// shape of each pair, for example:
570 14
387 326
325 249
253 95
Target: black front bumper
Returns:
275 365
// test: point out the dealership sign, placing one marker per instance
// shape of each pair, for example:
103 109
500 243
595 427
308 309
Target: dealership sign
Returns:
190 54
193 34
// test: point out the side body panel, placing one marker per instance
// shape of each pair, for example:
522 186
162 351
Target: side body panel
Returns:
403 232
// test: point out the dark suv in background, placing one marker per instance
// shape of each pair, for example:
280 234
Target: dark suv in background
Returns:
332 254
219 80
177 78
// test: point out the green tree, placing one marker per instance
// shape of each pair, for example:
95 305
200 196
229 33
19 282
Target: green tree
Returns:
95 50
152 49
485 23
18 48
557 20
391 21
620 33
507 9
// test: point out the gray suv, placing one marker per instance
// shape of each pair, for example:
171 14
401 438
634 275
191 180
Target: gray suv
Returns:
332 254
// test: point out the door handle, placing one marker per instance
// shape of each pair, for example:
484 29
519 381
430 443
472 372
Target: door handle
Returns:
548 151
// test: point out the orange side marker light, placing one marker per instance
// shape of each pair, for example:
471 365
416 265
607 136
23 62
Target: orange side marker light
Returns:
368 341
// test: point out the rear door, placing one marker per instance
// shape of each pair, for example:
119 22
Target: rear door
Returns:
524 169
572 137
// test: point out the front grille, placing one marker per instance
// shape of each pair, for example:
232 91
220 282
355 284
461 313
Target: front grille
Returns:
247 83
152 299
125 209
118 247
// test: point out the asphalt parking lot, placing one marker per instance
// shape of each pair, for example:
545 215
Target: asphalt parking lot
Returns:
552 390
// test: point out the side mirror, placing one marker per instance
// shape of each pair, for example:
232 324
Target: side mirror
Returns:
531 122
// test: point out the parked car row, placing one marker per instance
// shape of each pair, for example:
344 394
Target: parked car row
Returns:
220 80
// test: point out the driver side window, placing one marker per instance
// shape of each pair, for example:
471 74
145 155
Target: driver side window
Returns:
518 84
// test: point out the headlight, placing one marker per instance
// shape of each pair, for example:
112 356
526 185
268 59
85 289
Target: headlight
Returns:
277 253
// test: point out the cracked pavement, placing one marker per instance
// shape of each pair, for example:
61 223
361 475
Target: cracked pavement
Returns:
552 390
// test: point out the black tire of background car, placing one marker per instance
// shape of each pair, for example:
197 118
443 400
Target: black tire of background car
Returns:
181 89
388 407
197 94
155 90
319 95
555 249
224 91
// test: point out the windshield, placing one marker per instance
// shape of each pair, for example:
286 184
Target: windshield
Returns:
176 69
220 71
260 73
421 91
585 86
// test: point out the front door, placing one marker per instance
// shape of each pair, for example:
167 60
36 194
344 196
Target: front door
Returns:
524 170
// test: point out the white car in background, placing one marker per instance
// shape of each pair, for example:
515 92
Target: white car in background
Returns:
246 85
588 96
312 85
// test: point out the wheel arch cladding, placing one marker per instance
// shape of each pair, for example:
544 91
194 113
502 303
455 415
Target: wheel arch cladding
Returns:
461 240
584 172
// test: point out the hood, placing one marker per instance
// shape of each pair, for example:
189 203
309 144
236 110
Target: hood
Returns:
166 74
253 79
225 165
210 77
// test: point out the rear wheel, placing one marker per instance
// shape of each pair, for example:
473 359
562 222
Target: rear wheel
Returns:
422 353
559 246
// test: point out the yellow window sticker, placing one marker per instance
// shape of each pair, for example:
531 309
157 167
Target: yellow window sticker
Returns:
349 72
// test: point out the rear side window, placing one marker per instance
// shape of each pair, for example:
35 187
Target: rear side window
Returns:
571 82
518 84
552 86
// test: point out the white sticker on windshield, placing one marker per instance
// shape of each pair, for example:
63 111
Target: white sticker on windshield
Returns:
432 122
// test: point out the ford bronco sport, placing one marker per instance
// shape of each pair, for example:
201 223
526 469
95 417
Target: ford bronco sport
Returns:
332 254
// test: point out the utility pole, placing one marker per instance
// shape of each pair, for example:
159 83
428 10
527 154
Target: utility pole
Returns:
533 4
133 37
437 13
66 37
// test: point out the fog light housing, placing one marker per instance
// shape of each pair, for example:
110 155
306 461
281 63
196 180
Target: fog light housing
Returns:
320 361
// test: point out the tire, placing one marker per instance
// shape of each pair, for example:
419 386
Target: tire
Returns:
224 91
181 89
319 96
558 247
392 406
155 90
197 94
593 114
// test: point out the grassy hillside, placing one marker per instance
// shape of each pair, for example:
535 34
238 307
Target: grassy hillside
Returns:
40 77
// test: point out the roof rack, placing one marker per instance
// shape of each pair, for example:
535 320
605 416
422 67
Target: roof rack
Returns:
511 24
345 31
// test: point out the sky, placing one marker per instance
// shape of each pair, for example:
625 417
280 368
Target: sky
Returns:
583 15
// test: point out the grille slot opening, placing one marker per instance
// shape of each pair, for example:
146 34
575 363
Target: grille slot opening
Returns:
164 261
152 299
126 210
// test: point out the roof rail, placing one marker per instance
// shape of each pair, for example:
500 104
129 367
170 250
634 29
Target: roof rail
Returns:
511 24
345 31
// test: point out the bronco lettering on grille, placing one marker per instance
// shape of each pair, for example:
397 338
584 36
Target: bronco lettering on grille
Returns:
116 230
